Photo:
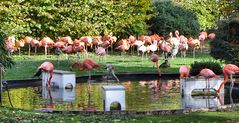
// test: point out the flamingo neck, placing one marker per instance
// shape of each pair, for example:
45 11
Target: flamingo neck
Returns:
80 68
158 68
225 81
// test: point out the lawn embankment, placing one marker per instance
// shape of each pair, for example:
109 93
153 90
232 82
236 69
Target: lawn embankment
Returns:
26 66
13 116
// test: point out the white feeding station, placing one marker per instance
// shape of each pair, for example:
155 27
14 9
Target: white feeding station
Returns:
113 94
60 78
187 85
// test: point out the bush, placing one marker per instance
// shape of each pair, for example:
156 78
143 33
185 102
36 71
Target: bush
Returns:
196 67
225 46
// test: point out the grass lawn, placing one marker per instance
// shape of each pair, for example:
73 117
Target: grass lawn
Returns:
26 66
13 116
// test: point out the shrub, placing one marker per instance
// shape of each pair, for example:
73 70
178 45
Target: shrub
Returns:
196 67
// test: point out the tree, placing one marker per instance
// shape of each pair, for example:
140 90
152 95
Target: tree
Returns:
75 18
170 17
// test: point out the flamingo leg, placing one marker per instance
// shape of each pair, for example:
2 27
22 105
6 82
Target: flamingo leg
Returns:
89 78
49 80
232 84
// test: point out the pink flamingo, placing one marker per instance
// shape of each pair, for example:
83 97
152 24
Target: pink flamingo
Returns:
228 69
100 51
10 44
194 43
183 46
46 42
154 58
207 74
166 48
184 71
27 40
47 67
202 37
19 45
88 64
35 43
211 36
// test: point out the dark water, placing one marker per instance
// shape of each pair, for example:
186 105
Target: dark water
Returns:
139 95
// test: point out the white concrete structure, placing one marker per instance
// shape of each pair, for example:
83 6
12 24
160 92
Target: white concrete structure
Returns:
202 101
59 94
60 78
187 85
113 93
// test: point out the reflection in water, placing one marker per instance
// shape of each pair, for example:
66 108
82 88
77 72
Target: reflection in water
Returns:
140 95
89 106
189 101
54 96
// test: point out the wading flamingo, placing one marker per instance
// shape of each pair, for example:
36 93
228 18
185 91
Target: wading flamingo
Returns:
207 74
47 67
228 69
154 58
88 64
184 71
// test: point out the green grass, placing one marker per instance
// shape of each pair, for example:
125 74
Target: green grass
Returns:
13 116
26 66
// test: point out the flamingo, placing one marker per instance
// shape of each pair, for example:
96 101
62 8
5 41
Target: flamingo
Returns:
46 42
211 35
10 44
20 44
202 37
111 69
154 58
184 71
207 74
88 64
228 69
27 40
35 43
165 48
183 46
47 67
100 51
194 43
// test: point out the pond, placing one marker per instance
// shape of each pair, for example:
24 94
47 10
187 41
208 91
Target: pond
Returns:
143 95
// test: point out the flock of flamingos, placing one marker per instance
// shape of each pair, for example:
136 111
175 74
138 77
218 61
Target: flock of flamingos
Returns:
145 44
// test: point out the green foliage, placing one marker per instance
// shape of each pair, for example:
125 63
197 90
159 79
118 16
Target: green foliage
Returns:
170 17
205 11
196 67
5 60
75 18
226 45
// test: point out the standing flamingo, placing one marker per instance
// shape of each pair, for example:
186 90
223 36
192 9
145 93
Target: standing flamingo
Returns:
228 69
100 51
184 71
27 40
154 58
88 64
207 74
47 67
19 45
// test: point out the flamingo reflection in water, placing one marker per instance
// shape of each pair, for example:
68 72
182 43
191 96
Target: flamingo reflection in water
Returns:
89 106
